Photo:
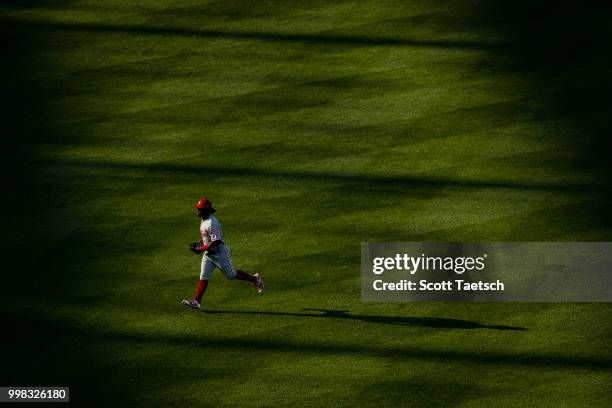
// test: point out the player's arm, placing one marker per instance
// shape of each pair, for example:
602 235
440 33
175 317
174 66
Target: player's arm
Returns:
215 239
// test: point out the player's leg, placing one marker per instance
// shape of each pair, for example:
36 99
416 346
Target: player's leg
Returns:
254 279
206 270
202 286
224 261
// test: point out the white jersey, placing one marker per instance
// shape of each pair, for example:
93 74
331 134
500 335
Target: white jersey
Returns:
210 230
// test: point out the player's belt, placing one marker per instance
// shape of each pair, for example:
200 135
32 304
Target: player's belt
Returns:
216 249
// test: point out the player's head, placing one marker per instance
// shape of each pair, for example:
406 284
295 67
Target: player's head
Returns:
204 208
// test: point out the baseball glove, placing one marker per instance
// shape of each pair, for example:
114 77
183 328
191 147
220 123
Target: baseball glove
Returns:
196 248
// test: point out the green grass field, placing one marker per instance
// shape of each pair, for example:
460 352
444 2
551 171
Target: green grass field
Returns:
313 126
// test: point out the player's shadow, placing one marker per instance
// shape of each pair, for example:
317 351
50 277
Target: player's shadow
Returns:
434 322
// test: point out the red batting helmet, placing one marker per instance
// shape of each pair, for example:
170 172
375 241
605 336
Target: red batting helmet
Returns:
204 203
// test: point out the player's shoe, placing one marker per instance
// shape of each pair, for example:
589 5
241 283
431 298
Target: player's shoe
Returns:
191 303
259 283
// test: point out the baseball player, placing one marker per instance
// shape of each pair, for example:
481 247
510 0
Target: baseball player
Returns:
215 254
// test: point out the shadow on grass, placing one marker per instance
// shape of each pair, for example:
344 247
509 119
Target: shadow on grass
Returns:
199 340
395 352
324 39
434 322
66 333
397 183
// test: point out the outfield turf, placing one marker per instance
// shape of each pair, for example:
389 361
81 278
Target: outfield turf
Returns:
313 126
